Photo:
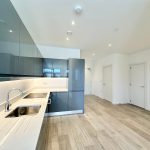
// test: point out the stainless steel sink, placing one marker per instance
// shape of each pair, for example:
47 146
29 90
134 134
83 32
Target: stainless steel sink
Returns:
36 95
24 110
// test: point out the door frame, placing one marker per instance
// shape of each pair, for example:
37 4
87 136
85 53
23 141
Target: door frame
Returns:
145 81
111 82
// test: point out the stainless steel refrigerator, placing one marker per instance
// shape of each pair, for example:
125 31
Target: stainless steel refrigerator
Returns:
76 85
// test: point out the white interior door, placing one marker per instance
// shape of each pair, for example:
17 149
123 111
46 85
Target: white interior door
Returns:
137 85
107 83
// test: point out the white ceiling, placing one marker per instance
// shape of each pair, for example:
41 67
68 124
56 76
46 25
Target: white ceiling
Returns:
123 23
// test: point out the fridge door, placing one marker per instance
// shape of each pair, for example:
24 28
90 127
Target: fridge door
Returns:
76 74
76 101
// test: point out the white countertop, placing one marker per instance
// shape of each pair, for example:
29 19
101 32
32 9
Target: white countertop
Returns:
21 133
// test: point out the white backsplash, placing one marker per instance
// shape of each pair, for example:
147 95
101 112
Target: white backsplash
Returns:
51 82
5 86
27 84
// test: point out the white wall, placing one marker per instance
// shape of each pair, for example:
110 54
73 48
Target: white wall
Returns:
88 71
58 52
120 79
88 76
143 57
119 64
120 67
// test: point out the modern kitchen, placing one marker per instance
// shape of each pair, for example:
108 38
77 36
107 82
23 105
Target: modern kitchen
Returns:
56 85
69 80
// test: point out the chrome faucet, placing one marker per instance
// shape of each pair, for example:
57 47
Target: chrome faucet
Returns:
7 105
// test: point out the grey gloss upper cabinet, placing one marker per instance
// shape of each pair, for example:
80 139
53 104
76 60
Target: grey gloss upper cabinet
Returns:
9 37
18 52
29 63
38 67
27 52
59 68
54 67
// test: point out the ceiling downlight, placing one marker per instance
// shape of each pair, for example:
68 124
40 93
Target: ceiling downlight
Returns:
78 9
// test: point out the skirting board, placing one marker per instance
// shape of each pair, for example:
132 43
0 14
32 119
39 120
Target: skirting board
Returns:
64 113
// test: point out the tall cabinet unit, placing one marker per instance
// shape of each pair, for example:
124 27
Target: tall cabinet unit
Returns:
57 102
76 85
9 38
72 101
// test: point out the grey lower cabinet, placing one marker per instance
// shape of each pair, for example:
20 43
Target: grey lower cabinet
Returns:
59 102
65 101
62 100
76 101
43 137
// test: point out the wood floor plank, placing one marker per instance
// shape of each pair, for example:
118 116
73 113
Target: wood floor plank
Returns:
104 126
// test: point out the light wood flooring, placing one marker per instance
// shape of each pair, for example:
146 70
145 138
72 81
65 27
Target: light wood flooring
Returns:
103 127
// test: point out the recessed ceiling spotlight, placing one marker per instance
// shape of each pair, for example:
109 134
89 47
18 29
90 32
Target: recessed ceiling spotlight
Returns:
67 38
73 23
109 45
78 9
69 32
93 54
10 31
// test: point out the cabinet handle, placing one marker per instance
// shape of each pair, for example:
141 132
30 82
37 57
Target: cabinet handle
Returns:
49 101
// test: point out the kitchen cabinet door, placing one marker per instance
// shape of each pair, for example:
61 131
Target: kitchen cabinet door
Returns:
62 101
27 46
17 49
58 102
26 66
15 68
76 101
48 67
59 68
54 104
5 63
27 51
9 36
76 74
54 67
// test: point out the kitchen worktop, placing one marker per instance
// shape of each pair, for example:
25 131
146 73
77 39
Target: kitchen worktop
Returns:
21 133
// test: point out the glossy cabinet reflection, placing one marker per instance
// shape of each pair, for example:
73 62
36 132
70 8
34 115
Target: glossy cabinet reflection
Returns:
9 37
54 67
19 55
28 61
